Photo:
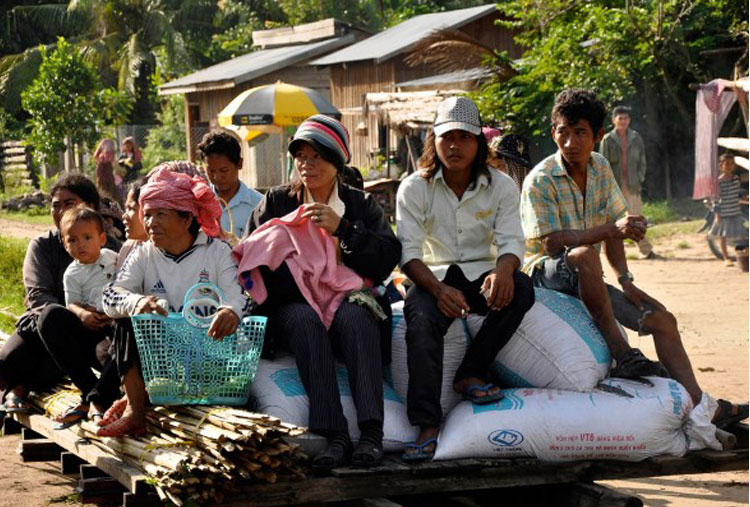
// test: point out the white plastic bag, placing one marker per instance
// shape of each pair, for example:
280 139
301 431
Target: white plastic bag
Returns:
279 392
554 425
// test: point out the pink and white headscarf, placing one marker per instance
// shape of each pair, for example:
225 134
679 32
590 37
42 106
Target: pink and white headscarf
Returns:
178 191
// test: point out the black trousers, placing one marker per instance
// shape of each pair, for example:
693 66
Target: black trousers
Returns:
426 326
24 362
76 350
354 336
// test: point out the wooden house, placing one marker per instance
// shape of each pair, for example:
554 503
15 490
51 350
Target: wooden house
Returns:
283 54
376 64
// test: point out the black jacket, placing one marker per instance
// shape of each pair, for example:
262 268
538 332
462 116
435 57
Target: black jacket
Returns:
368 245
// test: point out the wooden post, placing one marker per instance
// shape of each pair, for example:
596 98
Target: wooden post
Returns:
70 463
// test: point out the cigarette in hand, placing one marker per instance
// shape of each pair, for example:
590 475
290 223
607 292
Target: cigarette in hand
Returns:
463 312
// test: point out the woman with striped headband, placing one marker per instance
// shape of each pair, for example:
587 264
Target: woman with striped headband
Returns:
365 244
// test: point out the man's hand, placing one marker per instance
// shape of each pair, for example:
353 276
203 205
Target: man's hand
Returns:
631 227
323 216
149 304
225 322
498 287
92 319
638 297
451 301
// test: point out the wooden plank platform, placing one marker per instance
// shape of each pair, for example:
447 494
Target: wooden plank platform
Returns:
395 478
131 478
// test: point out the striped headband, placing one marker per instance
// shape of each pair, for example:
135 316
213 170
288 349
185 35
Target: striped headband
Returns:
326 131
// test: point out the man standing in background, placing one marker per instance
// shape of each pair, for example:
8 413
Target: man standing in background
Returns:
624 149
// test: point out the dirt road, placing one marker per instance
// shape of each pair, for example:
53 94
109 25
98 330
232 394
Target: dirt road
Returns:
710 302
14 229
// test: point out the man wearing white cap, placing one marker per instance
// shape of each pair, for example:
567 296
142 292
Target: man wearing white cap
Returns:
462 245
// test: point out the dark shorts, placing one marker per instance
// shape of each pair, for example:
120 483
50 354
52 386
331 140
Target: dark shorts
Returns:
554 273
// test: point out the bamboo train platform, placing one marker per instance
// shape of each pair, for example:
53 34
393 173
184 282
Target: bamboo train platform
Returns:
393 479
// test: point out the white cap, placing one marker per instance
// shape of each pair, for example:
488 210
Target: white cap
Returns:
457 113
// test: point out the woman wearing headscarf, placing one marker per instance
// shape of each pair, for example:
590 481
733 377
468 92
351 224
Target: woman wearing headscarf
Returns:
363 247
181 216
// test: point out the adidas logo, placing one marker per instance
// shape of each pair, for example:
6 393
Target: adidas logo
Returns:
158 287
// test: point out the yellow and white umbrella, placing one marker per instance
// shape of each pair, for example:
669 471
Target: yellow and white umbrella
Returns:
270 108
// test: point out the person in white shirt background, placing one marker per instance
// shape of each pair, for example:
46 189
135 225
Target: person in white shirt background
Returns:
462 240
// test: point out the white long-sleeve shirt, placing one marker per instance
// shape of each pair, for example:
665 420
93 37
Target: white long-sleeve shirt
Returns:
437 228
151 271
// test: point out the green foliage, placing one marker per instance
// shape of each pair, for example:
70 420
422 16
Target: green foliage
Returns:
659 212
10 127
644 53
63 101
12 252
167 141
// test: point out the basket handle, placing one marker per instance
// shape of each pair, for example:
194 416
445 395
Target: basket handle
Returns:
190 302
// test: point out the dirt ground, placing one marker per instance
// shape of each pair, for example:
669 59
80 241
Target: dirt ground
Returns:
710 302
14 229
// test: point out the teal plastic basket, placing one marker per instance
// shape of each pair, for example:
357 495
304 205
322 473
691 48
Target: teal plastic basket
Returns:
182 365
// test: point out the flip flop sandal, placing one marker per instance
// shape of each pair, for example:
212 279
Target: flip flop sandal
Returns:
96 417
419 452
114 412
125 426
366 455
19 405
471 394
726 418
77 416
634 365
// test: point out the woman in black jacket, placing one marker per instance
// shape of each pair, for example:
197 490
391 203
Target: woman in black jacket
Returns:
367 245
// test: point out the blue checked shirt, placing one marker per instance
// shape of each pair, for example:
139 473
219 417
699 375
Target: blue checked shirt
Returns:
551 201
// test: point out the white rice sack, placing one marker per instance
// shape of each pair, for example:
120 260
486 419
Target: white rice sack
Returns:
555 425
279 392
455 342
557 346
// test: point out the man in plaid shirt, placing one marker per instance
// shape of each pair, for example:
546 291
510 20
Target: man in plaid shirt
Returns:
570 205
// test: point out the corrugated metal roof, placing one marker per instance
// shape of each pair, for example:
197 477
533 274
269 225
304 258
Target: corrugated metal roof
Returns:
448 78
395 40
250 66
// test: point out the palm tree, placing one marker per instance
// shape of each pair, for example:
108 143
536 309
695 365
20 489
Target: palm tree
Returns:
128 40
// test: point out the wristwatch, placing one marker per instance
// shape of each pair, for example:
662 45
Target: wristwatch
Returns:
625 277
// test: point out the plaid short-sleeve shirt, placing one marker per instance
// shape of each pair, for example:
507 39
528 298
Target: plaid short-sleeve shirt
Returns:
551 201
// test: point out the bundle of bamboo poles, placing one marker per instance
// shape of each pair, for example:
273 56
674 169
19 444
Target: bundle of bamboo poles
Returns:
196 452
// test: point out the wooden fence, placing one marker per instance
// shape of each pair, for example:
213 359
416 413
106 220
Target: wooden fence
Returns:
16 165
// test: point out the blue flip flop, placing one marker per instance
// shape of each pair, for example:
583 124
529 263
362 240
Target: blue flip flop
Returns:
471 396
421 454
78 415
21 405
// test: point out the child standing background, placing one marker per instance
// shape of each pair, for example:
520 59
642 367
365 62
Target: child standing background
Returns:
728 223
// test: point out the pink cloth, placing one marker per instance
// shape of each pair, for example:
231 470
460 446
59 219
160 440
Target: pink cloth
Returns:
711 109
178 191
310 254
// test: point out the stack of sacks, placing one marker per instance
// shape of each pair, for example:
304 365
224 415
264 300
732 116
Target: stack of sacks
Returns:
557 346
